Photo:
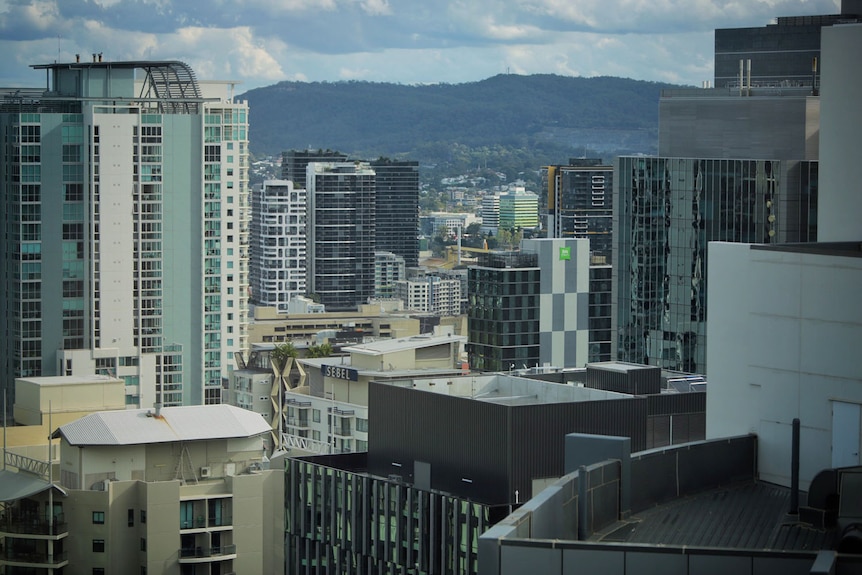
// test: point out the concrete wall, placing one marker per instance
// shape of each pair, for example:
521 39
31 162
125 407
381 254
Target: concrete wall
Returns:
541 536
784 330
839 202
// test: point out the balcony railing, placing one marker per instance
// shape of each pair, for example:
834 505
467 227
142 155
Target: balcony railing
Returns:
201 522
203 552
32 525
223 521
34 557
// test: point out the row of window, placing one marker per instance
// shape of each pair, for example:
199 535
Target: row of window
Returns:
99 519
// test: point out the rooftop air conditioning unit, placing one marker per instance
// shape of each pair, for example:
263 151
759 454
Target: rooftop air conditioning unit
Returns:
205 471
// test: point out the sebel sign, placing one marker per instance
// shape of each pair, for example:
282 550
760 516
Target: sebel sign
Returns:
339 372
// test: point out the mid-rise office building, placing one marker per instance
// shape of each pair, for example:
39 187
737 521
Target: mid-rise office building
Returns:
125 204
341 233
490 213
530 308
519 210
277 244
503 327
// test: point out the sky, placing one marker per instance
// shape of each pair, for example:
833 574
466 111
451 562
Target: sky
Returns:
262 42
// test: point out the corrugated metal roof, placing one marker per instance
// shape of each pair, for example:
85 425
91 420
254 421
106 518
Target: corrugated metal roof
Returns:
744 516
18 485
402 344
188 423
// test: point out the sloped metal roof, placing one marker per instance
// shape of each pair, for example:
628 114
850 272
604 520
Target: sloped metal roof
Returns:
19 485
140 426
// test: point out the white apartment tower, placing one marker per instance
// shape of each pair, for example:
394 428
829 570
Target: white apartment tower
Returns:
278 244
124 202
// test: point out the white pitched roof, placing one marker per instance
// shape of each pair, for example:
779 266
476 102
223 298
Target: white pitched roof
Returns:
190 423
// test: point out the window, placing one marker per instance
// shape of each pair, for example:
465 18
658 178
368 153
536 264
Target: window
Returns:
315 415
131 515
143 515
98 571
361 424
98 545
99 517
143 543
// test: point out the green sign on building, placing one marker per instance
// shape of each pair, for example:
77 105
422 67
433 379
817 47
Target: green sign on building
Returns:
565 253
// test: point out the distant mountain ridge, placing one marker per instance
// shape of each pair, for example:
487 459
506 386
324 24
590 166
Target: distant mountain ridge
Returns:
368 119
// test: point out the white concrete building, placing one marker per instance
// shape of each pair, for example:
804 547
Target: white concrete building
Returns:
783 344
278 244
430 294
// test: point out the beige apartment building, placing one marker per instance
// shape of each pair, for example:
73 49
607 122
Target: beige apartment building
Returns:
177 490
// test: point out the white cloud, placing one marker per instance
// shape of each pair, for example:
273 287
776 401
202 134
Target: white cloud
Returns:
376 7
264 41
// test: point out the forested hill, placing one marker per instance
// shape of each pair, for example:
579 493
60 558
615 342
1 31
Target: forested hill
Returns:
557 113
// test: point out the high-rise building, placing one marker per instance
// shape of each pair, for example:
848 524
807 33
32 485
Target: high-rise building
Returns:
341 233
294 163
124 204
397 212
278 244
519 210
669 209
734 165
580 204
785 53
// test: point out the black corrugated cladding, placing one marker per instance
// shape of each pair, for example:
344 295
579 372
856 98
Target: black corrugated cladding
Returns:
485 451
636 380
677 403
538 436
464 440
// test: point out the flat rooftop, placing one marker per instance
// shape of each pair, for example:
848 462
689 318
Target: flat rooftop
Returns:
506 389
384 346
61 380
748 515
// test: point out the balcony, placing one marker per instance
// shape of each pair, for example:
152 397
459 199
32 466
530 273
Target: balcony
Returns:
202 554
32 559
298 422
33 524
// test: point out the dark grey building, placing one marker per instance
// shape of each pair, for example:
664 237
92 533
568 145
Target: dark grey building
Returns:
503 311
785 53
398 208
448 458
341 232
601 314
294 163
